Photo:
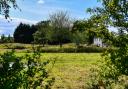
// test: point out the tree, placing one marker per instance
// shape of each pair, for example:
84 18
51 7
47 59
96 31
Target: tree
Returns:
3 38
85 26
24 33
5 6
118 12
97 28
115 13
61 24
61 36
9 39
79 38
94 27
41 36
79 25
6 39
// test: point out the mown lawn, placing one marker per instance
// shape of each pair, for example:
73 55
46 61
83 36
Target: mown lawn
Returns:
71 69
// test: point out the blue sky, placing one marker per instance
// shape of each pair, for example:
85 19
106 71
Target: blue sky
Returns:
33 11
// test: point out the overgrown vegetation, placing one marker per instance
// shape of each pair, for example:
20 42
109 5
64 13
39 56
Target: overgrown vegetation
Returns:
60 29
110 73
74 50
113 73
67 48
27 71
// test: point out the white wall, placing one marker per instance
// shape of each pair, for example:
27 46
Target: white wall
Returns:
98 42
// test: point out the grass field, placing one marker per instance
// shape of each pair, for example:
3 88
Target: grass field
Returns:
71 69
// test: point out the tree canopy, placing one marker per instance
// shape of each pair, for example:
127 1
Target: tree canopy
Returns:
24 33
42 35
114 13
5 6
60 23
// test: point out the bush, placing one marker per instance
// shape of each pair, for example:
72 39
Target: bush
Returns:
14 46
74 50
106 77
27 72
18 47
106 74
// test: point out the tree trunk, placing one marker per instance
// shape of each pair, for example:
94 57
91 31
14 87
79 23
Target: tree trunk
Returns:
43 44
77 45
61 45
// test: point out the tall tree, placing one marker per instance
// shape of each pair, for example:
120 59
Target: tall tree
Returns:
10 39
24 33
60 36
94 27
79 25
3 38
41 36
115 13
97 28
61 24
79 38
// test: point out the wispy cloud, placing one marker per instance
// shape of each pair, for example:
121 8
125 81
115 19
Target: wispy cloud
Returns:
40 2
8 26
38 10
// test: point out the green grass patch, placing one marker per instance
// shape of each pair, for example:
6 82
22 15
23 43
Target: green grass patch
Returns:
67 48
71 69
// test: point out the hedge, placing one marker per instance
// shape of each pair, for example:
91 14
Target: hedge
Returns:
74 50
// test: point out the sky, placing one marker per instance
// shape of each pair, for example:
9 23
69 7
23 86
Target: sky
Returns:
33 11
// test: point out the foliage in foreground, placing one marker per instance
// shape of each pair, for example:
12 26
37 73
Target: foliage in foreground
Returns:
15 73
112 72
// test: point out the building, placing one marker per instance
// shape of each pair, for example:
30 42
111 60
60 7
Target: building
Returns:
98 42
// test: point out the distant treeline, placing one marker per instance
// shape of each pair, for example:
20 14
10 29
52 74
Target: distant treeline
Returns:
60 29
6 39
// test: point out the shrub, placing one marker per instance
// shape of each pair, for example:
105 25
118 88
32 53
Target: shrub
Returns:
106 74
14 46
74 50
10 71
27 72
18 47
108 78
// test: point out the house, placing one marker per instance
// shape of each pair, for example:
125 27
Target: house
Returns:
98 42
